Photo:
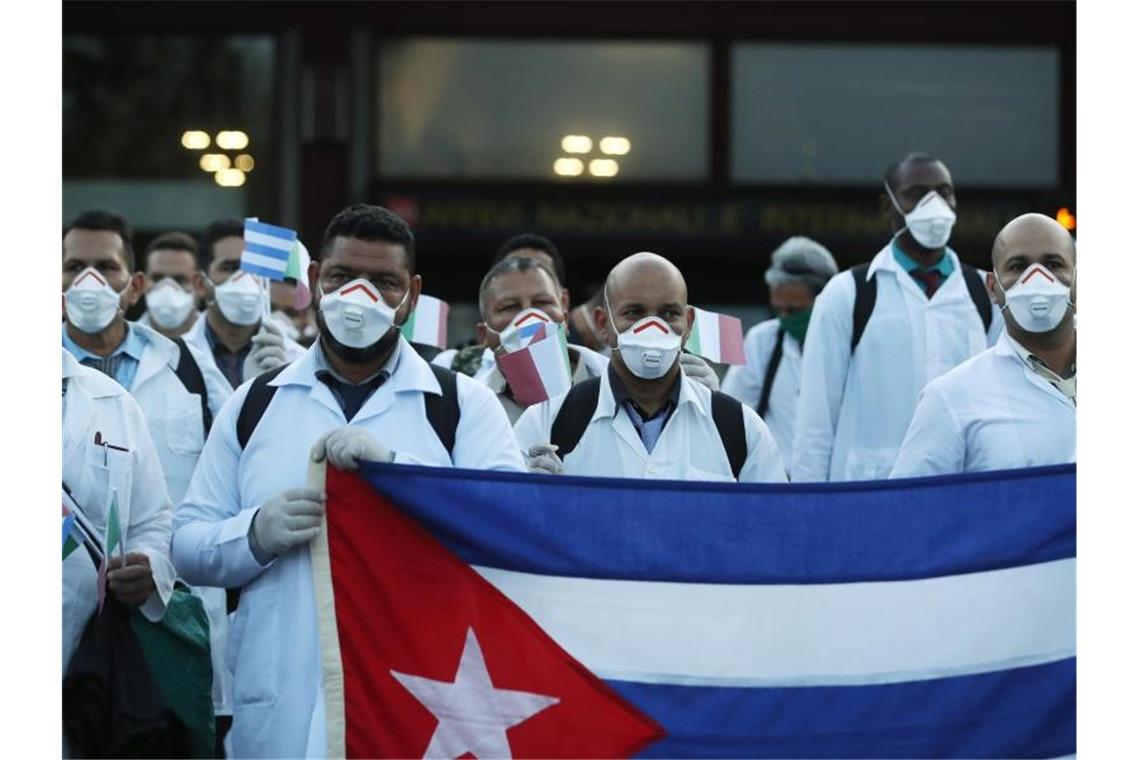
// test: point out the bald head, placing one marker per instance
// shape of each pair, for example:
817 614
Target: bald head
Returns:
1032 236
644 285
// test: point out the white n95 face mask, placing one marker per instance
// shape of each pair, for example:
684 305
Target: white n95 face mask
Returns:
357 315
240 298
169 304
1038 300
930 221
91 301
649 348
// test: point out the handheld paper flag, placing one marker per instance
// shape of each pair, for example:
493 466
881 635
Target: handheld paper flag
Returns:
717 337
526 327
70 542
428 323
298 269
541 370
267 249
112 537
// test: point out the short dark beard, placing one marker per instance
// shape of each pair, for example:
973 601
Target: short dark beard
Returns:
357 355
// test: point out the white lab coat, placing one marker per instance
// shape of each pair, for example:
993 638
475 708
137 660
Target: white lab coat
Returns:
745 382
195 337
989 413
273 650
96 404
174 417
854 410
689 447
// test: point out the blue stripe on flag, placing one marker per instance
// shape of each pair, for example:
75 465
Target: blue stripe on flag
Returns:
284 233
748 533
1023 712
266 250
270 272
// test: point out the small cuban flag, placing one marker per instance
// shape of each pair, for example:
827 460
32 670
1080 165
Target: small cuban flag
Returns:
717 337
541 369
268 250
428 323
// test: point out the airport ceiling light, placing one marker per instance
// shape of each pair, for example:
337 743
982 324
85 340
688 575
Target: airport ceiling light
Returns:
214 162
568 167
244 162
195 139
577 144
230 177
604 167
232 140
1066 218
614 146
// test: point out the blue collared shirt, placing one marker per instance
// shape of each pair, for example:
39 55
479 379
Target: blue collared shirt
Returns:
944 267
649 428
121 365
231 363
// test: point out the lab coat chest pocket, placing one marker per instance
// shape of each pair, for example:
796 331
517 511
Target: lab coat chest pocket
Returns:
107 473
182 424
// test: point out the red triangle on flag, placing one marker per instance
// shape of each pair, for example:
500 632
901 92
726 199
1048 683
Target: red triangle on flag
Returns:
434 656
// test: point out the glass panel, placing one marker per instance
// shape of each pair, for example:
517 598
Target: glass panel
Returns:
500 109
842 113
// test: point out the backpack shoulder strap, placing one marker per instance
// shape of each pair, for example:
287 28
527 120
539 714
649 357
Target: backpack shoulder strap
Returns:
979 295
574 417
255 403
443 411
770 374
190 375
865 294
729 419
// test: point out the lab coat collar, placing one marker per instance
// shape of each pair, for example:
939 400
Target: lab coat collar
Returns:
1005 348
954 287
159 352
607 406
92 382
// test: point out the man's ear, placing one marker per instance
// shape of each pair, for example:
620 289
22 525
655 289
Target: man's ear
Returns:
566 301
314 275
690 317
481 333
198 285
135 290
601 322
992 289
414 293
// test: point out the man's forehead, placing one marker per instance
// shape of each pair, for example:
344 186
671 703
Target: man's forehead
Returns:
170 258
229 248
514 284
371 255
923 173
92 243
1035 242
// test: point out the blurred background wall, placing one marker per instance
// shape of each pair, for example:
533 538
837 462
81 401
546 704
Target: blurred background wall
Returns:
708 132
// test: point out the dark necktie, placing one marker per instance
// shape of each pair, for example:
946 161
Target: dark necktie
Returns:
351 397
929 278
108 365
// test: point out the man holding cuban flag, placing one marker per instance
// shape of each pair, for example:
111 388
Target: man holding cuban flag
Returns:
646 418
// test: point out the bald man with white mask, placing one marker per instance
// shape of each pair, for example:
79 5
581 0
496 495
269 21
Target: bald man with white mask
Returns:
1015 404
646 418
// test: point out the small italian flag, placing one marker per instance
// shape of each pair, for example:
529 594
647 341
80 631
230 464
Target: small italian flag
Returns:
428 323
298 269
540 370
112 537
70 542
717 337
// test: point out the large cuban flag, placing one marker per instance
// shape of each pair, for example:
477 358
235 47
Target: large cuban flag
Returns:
496 615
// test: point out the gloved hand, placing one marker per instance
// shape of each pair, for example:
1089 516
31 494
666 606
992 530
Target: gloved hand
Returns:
289 519
267 352
698 369
346 446
541 458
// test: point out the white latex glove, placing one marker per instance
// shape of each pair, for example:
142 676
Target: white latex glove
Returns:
698 369
267 351
289 519
541 458
346 446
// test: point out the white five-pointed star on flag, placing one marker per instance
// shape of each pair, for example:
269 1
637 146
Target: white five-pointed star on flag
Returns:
473 715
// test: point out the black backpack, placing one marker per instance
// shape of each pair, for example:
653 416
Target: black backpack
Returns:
190 374
574 416
867 290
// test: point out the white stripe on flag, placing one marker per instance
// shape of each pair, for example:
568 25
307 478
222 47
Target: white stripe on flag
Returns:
708 322
792 635
261 238
550 361
264 261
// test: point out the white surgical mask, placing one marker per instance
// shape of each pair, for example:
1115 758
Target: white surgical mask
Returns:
240 298
91 301
169 304
357 315
522 329
649 348
1037 302
930 221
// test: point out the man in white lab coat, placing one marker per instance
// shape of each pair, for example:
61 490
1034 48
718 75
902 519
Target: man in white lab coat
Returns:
645 418
106 446
1014 405
173 284
231 332
769 380
359 392
881 332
